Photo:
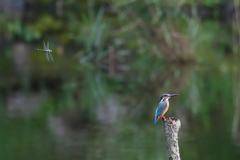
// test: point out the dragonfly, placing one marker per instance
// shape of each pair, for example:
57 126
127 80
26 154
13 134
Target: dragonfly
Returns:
47 51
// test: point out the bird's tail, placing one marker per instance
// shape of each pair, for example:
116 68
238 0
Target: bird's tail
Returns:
155 120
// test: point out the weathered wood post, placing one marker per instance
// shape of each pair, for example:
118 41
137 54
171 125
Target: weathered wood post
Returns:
171 127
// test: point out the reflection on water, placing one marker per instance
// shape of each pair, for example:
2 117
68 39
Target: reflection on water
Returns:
23 104
92 116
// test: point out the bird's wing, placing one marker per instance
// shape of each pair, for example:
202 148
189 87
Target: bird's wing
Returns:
159 110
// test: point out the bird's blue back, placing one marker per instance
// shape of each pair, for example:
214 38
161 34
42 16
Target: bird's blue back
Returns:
161 107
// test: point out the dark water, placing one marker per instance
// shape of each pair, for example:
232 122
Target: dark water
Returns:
57 113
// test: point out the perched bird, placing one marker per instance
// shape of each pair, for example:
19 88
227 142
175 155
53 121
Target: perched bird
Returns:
163 106
47 51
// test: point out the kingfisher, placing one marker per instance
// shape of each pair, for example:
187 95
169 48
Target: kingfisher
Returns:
163 106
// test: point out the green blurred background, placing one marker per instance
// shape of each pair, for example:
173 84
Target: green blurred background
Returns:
113 59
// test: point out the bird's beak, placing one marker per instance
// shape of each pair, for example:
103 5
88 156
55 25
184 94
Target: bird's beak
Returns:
172 95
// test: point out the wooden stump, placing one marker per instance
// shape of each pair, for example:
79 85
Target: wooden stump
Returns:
171 127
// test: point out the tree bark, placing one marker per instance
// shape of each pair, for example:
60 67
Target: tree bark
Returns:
171 127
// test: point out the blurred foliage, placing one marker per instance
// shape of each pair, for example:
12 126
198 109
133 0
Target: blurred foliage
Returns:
15 29
115 42
93 34
160 30
110 70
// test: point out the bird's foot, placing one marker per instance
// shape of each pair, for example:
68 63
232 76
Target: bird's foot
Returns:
163 118
169 119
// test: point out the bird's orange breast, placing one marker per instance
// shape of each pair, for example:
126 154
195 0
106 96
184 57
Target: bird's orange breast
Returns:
165 110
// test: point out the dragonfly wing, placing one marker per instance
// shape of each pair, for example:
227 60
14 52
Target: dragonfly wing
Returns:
44 46
47 45
51 58
46 55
